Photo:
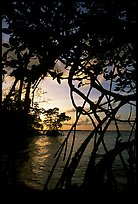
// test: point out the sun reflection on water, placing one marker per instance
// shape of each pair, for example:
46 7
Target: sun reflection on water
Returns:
35 164
41 142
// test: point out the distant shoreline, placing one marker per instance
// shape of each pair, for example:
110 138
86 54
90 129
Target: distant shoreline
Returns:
91 130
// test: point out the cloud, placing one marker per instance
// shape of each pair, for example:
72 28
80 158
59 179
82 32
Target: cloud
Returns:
71 110
84 122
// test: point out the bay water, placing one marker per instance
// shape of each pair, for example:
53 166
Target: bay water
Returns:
34 163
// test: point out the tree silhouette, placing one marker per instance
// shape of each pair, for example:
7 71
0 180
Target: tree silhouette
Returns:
96 42
53 120
63 33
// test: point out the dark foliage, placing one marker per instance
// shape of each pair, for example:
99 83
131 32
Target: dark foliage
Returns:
92 39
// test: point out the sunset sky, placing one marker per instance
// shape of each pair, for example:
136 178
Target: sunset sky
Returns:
57 95
52 94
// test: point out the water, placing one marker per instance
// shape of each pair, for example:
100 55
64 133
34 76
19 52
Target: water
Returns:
35 162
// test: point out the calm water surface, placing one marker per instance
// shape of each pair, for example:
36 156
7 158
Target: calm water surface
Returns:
35 162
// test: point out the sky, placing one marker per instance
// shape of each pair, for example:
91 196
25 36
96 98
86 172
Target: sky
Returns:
58 95
51 94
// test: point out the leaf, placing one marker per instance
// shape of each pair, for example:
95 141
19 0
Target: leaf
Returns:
6 31
117 88
19 56
13 73
53 74
58 80
26 56
5 45
12 63
60 74
4 72
22 47
6 53
80 84
13 41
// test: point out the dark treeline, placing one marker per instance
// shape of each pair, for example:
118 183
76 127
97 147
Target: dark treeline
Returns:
92 39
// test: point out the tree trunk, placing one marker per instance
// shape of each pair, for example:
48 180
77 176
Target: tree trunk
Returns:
19 104
27 101
6 100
